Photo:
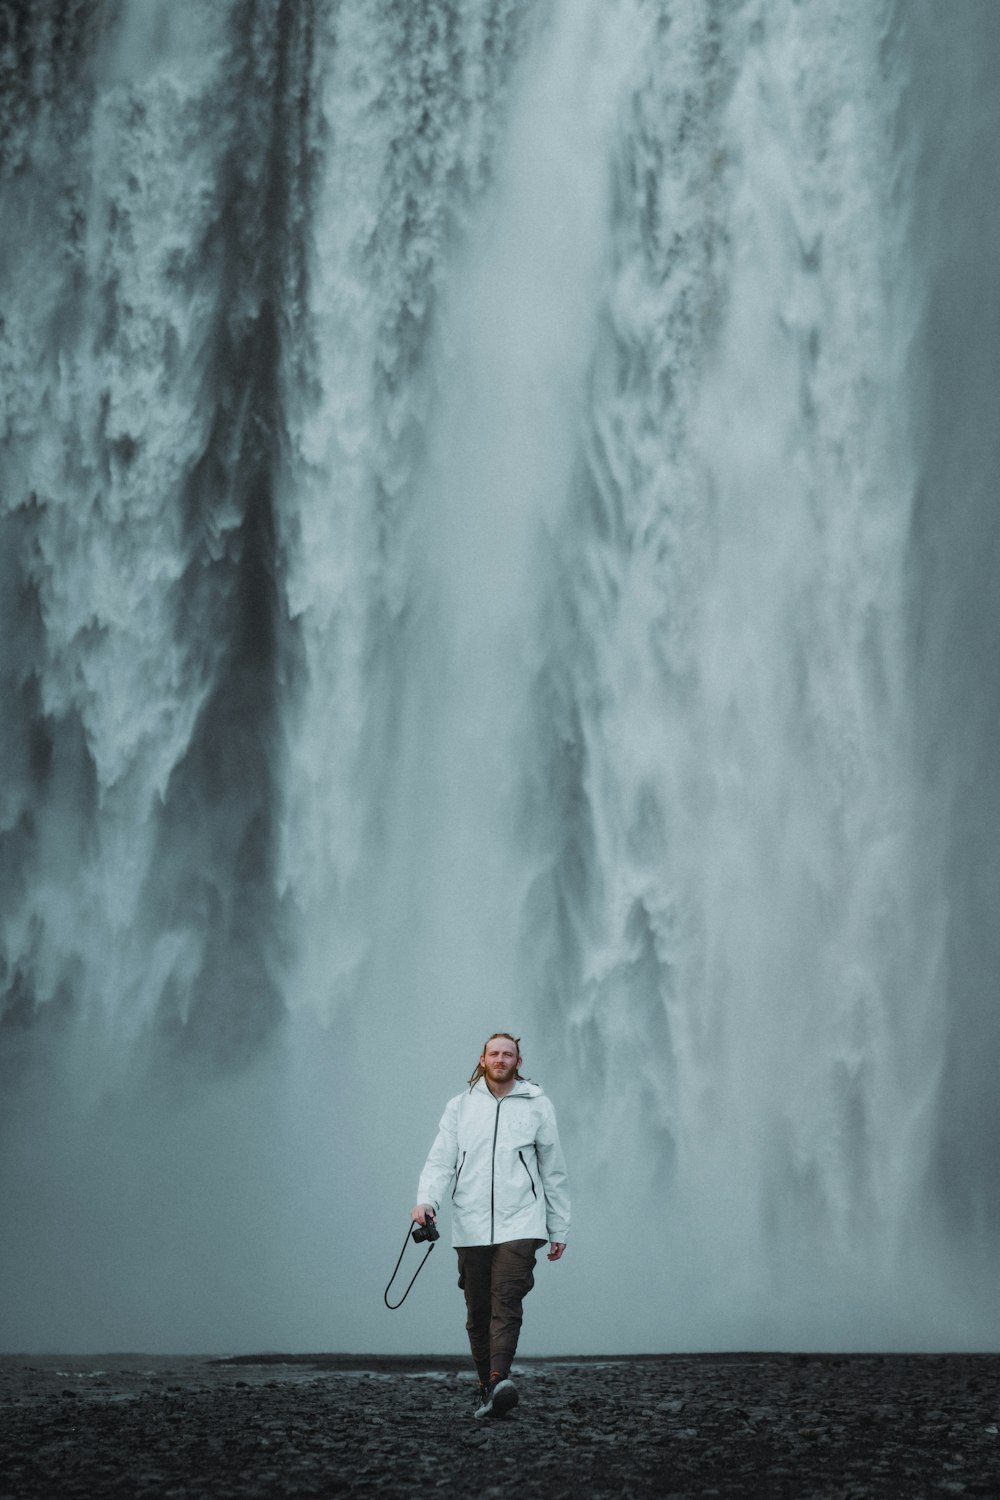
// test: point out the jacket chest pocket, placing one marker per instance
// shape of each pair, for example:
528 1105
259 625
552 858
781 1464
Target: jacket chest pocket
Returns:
517 1130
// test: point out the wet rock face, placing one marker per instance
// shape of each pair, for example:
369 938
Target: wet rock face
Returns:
729 1426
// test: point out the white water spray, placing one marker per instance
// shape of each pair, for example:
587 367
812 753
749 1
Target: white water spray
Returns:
461 521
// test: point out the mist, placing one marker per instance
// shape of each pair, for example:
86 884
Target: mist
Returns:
498 512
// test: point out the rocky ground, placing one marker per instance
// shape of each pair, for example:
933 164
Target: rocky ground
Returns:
720 1425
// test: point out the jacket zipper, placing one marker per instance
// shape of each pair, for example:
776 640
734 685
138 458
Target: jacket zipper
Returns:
524 1164
493 1164
457 1176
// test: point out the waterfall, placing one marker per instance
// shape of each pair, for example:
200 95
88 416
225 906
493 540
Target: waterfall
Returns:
497 531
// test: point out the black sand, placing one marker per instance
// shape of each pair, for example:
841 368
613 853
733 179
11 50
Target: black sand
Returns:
722 1425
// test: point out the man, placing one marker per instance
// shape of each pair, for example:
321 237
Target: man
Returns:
498 1151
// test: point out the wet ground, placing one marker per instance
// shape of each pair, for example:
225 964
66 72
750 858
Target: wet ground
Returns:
716 1425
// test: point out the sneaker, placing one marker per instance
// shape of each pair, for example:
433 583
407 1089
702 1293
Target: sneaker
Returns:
499 1397
504 1397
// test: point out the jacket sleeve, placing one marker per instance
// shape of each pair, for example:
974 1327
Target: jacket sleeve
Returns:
552 1170
439 1168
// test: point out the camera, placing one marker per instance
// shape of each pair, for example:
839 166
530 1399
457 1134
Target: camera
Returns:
425 1231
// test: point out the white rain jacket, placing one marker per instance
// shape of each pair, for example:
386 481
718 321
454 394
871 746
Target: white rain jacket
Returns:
501 1162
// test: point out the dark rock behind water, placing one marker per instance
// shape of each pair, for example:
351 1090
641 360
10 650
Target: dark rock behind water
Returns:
715 1425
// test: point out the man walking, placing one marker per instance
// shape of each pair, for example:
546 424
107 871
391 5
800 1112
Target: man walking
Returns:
497 1149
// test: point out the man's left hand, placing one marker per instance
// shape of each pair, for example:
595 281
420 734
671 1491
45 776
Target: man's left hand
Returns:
555 1250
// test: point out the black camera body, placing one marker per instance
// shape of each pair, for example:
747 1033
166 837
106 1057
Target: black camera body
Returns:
426 1231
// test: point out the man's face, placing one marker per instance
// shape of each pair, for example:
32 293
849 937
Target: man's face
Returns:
500 1059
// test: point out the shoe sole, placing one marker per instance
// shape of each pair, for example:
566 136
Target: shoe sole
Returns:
505 1398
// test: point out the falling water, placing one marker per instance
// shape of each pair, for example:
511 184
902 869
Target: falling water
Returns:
498 530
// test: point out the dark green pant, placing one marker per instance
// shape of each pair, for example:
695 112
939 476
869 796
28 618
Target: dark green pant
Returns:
495 1280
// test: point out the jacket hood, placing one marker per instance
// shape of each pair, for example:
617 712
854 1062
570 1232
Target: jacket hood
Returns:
524 1089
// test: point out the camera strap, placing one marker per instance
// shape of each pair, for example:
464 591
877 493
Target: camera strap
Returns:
385 1295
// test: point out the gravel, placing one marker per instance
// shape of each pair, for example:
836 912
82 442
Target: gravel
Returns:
802 1426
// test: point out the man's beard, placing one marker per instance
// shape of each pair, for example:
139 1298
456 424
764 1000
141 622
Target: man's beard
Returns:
499 1075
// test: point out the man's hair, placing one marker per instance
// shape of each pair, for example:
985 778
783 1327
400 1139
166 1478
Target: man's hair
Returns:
480 1070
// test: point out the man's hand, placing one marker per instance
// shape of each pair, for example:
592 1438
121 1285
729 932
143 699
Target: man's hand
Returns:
555 1250
422 1213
